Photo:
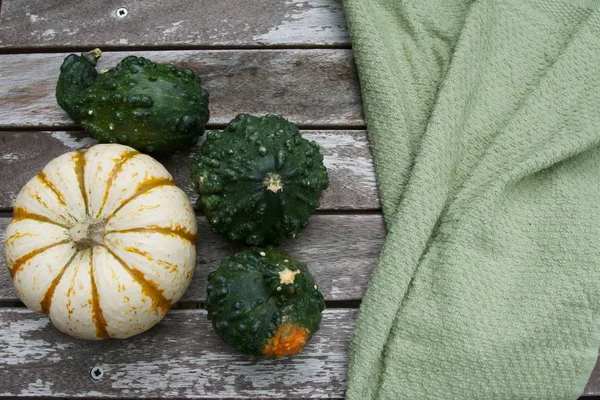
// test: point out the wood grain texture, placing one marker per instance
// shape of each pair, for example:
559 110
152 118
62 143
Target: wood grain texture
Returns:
593 386
340 251
43 23
180 357
352 182
308 87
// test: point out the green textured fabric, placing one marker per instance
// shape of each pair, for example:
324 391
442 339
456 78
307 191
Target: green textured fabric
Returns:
484 121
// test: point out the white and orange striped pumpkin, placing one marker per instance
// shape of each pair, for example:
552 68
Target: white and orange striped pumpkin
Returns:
102 241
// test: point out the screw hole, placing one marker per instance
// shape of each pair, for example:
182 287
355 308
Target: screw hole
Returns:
122 12
96 373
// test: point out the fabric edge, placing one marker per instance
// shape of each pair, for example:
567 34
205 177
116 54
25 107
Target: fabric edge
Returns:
589 361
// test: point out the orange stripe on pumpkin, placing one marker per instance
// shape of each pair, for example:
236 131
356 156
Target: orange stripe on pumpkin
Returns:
21 214
143 187
177 232
16 236
170 267
46 182
79 158
97 315
20 262
149 287
142 253
126 156
46 302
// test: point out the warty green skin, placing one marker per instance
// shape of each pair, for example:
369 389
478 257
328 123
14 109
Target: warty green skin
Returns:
154 108
232 174
245 305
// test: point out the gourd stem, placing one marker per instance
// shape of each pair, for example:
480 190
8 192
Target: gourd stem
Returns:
92 56
273 182
88 233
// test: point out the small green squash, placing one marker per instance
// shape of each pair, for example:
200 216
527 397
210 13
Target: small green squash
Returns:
154 108
259 180
264 303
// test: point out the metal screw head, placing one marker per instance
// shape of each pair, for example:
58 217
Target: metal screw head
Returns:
96 373
121 12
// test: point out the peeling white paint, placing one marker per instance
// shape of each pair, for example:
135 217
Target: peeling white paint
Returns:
70 32
336 292
184 375
18 348
33 18
341 286
361 167
72 142
49 33
10 157
38 388
309 25
336 140
123 41
13 197
173 28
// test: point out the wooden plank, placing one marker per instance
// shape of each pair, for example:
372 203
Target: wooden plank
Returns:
593 386
347 158
162 23
340 251
309 87
179 357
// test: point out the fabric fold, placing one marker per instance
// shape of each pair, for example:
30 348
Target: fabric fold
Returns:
484 120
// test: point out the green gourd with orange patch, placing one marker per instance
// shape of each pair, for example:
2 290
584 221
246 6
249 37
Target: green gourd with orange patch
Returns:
264 303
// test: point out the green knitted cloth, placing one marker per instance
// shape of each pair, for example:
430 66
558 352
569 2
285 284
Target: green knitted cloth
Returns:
484 121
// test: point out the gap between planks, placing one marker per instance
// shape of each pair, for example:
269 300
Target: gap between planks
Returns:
8 212
192 305
77 128
174 47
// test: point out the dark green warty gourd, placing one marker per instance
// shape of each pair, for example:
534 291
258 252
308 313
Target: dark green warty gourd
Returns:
155 108
259 180
264 303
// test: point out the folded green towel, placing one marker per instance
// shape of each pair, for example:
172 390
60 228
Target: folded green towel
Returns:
484 120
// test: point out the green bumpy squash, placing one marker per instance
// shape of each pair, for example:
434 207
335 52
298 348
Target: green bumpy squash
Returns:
154 108
264 303
259 180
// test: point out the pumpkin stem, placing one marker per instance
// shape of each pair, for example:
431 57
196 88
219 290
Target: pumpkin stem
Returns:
273 182
88 233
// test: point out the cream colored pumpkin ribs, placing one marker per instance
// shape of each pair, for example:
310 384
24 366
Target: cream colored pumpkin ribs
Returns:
102 241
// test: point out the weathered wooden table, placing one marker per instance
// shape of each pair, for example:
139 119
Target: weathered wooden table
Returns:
264 56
